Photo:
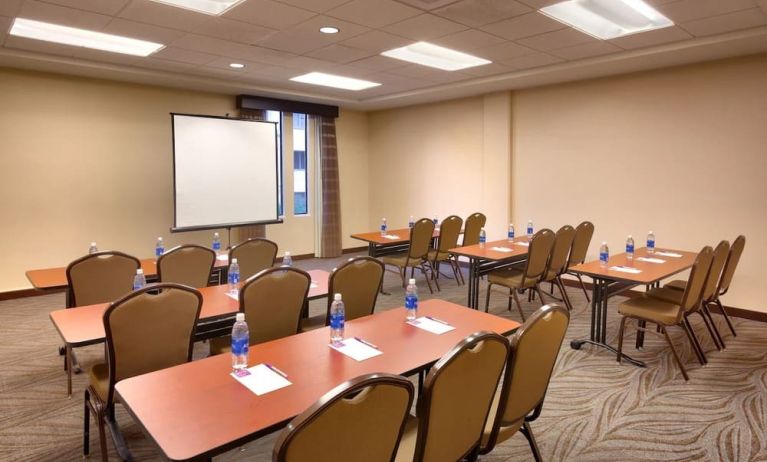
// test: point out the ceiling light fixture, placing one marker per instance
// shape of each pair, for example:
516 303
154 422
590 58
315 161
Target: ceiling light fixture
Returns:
608 19
72 36
335 81
428 54
237 65
329 30
211 7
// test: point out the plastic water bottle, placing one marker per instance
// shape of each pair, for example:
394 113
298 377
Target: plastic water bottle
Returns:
93 248
411 300
435 221
240 343
604 255
337 317
482 237
530 228
159 248
651 242
411 222
383 226
630 247
216 243
511 231
233 276
139 281
287 260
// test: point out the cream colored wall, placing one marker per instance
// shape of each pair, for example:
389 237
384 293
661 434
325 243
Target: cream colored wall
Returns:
679 151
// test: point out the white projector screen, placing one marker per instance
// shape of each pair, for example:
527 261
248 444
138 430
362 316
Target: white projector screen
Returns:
225 172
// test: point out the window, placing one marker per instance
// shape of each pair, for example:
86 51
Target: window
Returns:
276 116
300 165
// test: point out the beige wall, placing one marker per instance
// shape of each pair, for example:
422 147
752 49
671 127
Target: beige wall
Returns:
678 151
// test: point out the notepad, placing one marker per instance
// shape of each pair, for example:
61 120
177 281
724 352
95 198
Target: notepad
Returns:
523 244
625 269
355 348
669 254
501 249
313 285
433 325
651 260
262 379
390 236
224 257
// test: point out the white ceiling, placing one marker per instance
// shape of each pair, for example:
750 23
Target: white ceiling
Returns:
279 39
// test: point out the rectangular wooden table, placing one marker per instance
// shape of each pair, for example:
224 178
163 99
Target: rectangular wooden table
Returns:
84 325
483 259
197 410
608 282
379 245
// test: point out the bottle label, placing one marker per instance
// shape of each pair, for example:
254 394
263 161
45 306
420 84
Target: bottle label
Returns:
434 221
482 239
650 243
411 302
629 248
511 234
216 246
410 224
383 228
337 321
604 256
234 278
240 346
137 285
158 251
529 230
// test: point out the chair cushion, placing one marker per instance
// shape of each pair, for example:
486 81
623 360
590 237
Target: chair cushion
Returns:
667 295
406 450
442 256
99 380
676 284
220 345
650 309
509 277
400 259
315 322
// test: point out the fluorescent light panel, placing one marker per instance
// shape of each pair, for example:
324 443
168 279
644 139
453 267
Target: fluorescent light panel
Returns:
335 81
55 33
428 54
211 7
608 19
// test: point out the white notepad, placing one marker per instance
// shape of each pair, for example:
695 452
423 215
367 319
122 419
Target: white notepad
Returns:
390 236
355 348
223 257
313 285
625 269
435 326
668 254
501 249
523 244
651 260
262 379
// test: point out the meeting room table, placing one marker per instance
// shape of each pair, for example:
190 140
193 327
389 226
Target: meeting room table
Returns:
621 274
394 241
489 256
84 325
198 410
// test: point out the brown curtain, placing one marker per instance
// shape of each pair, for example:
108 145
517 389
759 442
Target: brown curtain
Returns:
244 233
330 217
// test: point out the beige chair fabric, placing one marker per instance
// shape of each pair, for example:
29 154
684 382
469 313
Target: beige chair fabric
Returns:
533 353
557 264
449 231
417 255
253 256
360 420
102 277
474 224
189 265
583 234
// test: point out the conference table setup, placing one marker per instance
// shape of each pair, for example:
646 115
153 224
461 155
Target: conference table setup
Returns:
390 242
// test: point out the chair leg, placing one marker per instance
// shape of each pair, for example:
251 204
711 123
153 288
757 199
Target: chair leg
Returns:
100 418
583 286
621 329
487 297
455 272
565 297
673 350
86 424
460 273
528 432
707 312
714 335
726 317
694 341
540 294
435 272
426 276
519 305
509 299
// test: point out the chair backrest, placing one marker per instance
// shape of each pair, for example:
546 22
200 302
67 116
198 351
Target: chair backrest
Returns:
362 419
457 396
732 262
253 256
693 291
538 254
533 354
581 241
147 331
273 301
101 277
474 224
358 281
186 264
563 242
421 235
449 230
721 252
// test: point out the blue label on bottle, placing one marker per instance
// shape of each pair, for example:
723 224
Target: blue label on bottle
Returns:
336 321
604 256
216 246
434 221
234 278
629 248
383 228
410 224
511 234
411 302
240 346
529 230
158 251
650 243
482 239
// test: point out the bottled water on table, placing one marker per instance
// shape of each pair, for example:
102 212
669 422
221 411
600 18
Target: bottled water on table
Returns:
482 237
159 247
139 281
530 228
287 260
337 317
630 248
411 222
92 249
411 300
240 343
216 243
511 231
233 276
383 227
604 255
651 242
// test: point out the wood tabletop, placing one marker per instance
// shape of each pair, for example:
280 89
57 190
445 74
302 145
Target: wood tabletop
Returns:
403 236
650 272
198 408
491 251
84 325
56 278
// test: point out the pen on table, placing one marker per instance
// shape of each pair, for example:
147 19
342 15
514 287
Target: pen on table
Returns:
284 375
437 320
365 342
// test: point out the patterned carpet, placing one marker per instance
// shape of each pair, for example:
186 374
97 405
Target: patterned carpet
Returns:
596 409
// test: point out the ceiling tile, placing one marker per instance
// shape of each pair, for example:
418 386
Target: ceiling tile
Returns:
106 57
269 56
119 26
297 42
480 12
690 10
504 51
522 26
38 46
376 63
214 46
274 72
374 14
110 7
557 39
727 22
318 6
427 4
234 31
61 15
392 83
268 13
533 60
652 38
159 14
184 56
469 39
586 50
424 27
5 26
223 63
376 41
487 70
311 27
308 64
165 65
338 53
9 8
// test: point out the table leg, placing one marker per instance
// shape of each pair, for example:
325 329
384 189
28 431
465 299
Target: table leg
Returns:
473 300
68 359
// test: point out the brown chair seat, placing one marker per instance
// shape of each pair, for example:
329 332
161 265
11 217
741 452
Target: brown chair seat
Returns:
651 309
667 295
508 277
315 322
406 450
99 380
676 284
435 255
401 260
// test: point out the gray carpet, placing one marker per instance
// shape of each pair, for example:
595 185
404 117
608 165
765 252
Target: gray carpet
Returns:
596 409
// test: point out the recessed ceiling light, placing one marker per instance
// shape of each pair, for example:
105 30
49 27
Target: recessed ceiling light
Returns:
237 65
428 54
212 7
329 30
608 19
48 32
335 81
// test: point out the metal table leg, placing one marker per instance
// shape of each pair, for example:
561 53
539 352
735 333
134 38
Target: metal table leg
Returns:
473 301
68 359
